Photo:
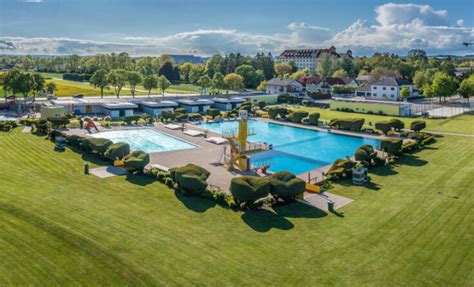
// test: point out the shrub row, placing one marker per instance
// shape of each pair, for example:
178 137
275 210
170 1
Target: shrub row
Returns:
6 126
354 124
77 77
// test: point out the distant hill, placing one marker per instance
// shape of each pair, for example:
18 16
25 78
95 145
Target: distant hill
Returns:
189 58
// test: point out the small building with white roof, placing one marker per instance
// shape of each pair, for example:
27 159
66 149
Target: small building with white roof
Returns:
195 106
155 108
227 104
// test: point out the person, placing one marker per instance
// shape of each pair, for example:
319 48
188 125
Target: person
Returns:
81 123
182 127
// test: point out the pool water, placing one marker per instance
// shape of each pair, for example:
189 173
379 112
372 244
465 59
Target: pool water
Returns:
146 140
297 150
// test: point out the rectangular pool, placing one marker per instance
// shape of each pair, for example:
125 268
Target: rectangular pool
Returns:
297 150
146 140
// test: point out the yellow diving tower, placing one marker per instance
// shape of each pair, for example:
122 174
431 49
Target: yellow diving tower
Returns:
240 148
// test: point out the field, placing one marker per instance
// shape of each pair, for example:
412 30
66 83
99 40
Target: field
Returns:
60 227
463 124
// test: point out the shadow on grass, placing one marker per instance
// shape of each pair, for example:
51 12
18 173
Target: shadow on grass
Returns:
411 160
139 179
194 203
93 158
369 185
265 220
298 210
385 170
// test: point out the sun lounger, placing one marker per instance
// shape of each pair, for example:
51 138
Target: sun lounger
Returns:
160 167
193 133
216 140
172 126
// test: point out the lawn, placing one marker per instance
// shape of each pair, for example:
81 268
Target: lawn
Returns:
460 124
60 227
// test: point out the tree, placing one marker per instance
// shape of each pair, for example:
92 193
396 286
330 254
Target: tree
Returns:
466 89
185 70
214 65
204 82
195 73
300 74
51 87
382 72
293 66
117 78
262 86
100 80
248 73
347 64
37 84
167 70
134 78
327 65
217 82
282 69
234 81
417 54
163 84
340 74
25 84
11 82
443 85
405 92
149 83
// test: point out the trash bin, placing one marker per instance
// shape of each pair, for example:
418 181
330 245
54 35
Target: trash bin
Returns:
331 206
86 168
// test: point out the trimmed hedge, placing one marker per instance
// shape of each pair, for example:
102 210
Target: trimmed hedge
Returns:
397 124
213 112
297 116
191 179
130 119
99 145
248 189
274 112
340 167
417 125
286 185
136 161
59 121
313 118
194 116
41 126
354 124
391 145
167 114
117 151
180 111
182 117
384 126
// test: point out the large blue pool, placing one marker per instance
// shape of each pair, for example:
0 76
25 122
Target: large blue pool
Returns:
297 150
146 140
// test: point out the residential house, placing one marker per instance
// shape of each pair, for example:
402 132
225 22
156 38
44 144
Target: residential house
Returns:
308 58
385 89
322 85
284 86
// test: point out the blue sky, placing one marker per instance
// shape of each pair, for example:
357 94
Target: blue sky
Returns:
209 26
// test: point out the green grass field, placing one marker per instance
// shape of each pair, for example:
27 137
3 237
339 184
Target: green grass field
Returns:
412 226
463 124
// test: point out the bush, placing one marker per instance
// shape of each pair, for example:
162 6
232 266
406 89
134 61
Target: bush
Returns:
297 116
167 114
348 124
213 112
397 124
313 118
340 168
368 148
76 77
99 145
194 116
391 145
384 126
117 151
180 111
136 161
261 104
247 189
130 119
274 112
182 117
57 122
305 103
74 140
191 179
409 146
417 126
41 126
53 134
286 185
287 99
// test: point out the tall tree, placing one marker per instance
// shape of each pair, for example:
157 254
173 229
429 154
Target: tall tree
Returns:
163 83
466 89
167 70
327 65
133 78
149 83
405 92
100 80
443 85
204 82
234 81
218 82
248 73
118 79
214 65
282 69
25 84
51 87
37 85
185 70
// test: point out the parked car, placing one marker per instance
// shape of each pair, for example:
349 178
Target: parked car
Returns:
78 96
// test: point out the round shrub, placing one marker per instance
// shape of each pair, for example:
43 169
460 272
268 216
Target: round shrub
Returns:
274 112
286 185
368 148
249 188
194 116
117 151
99 145
384 126
167 114
180 111
348 124
391 145
59 121
297 116
361 155
213 112
191 179
397 124
417 125
313 118
136 161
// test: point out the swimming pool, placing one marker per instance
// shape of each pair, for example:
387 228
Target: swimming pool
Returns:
297 150
146 140
5 118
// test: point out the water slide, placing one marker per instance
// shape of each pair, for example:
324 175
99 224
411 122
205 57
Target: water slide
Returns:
91 124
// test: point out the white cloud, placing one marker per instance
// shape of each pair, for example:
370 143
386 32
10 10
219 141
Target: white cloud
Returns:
31 1
399 27
460 23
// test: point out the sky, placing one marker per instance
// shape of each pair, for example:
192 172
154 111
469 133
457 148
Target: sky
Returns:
206 27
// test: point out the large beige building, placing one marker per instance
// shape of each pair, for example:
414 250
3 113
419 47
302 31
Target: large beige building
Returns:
308 58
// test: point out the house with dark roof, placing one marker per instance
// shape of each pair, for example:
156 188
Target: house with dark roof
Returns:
385 89
323 85
284 86
308 58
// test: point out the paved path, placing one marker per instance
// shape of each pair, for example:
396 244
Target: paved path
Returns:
449 134
320 200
